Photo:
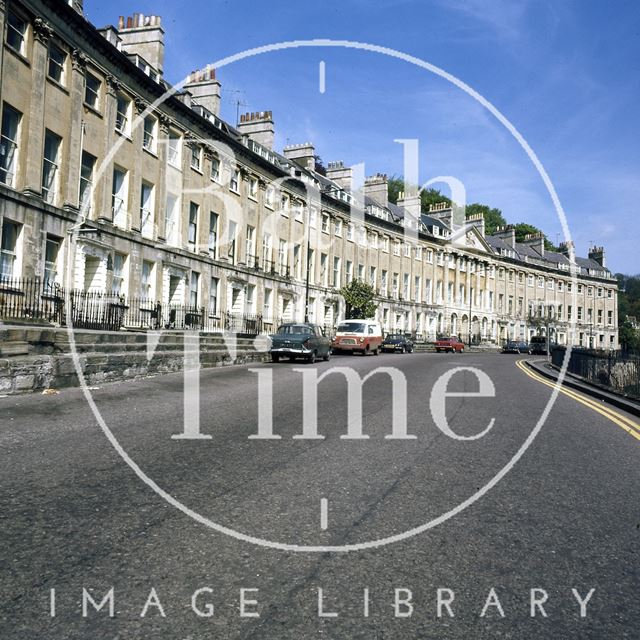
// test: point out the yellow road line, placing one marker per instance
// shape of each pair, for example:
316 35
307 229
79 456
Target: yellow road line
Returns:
631 427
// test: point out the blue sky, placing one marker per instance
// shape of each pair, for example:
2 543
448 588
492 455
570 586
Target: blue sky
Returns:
564 72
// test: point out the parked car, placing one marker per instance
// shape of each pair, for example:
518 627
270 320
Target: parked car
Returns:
300 340
358 336
539 345
516 347
395 343
449 344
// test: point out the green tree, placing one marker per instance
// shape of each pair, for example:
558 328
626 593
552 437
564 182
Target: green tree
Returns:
493 217
427 196
629 336
523 229
358 297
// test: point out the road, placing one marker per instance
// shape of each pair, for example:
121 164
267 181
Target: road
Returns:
75 516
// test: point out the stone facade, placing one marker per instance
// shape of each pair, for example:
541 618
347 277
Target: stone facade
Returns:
101 192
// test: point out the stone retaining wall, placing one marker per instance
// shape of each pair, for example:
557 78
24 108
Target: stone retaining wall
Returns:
34 359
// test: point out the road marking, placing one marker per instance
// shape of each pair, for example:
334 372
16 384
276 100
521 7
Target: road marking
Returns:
631 427
323 76
324 514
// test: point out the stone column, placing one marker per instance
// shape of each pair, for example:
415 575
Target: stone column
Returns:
103 201
74 146
42 32
161 187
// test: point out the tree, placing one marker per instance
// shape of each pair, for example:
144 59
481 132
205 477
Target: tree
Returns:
428 197
629 336
358 297
523 229
493 218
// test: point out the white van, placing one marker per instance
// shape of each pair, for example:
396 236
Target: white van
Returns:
358 336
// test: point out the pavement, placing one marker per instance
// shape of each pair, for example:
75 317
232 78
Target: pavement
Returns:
561 524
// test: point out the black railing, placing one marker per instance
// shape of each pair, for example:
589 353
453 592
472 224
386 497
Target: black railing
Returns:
31 299
617 370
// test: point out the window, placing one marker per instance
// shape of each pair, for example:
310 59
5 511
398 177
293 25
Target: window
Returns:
362 236
250 299
149 137
350 232
384 282
297 211
50 166
253 188
418 255
417 289
192 236
146 210
234 181
560 285
349 270
16 33
407 250
579 288
540 282
174 145
85 198
146 281
196 157
609 293
282 257
394 285
119 197
214 289
337 228
324 275
250 246
325 223
550 284
599 292
266 252
231 242
92 86
51 254
172 230
430 256
373 276
213 234
609 317
396 248
297 262
373 243
385 244
266 306
270 195
8 249
600 316
118 286
57 59
285 202
123 114
215 169
336 273
194 286
9 145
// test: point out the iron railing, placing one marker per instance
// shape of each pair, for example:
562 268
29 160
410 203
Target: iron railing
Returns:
617 370
35 300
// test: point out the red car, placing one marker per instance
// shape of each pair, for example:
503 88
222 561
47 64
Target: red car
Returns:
449 344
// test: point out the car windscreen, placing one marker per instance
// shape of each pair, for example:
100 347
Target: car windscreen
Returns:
392 337
294 329
352 327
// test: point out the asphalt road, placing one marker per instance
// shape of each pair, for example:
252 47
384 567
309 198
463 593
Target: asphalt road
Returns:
75 516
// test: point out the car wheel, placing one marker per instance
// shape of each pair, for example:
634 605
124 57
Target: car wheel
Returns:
461 349
311 358
376 351
275 357
328 356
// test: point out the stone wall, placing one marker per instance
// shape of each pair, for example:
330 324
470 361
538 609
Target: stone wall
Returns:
34 359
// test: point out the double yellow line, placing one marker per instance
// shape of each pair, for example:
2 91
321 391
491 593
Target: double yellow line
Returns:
631 427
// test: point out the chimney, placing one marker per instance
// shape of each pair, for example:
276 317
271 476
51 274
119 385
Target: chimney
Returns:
259 127
302 154
205 89
597 254
535 241
411 204
143 36
508 234
341 175
477 220
567 248
77 5
377 188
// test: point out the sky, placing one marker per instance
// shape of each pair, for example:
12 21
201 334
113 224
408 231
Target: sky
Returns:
565 73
